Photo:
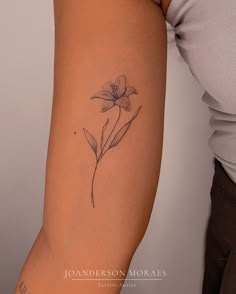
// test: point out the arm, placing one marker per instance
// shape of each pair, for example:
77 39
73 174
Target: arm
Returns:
100 185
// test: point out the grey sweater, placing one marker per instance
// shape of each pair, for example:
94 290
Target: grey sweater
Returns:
205 34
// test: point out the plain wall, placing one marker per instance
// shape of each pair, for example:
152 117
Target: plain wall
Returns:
175 237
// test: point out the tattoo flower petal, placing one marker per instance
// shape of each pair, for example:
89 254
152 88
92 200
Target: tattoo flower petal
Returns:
120 86
124 103
103 95
107 104
108 87
130 90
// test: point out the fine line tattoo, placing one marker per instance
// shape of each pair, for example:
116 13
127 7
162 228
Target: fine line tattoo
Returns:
113 94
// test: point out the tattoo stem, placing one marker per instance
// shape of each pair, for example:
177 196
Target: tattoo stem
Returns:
119 114
92 190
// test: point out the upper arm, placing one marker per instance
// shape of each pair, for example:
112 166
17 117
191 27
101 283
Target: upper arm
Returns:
95 42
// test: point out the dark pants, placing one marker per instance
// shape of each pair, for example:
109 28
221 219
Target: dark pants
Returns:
220 254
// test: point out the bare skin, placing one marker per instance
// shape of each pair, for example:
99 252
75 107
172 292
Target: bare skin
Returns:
164 5
97 42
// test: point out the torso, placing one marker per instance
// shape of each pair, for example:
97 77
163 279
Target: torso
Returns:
205 36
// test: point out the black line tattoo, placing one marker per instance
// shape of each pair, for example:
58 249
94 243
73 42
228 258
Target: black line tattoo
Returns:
113 94
23 288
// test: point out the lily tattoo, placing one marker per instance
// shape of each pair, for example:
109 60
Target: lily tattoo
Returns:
113 95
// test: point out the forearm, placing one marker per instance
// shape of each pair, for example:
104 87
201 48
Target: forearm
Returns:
98 221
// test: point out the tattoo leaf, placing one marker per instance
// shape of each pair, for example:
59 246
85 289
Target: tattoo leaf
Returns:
91 140
136 113
103 131
120 134
105 126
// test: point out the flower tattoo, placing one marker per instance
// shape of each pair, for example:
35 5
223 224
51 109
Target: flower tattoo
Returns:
113 94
